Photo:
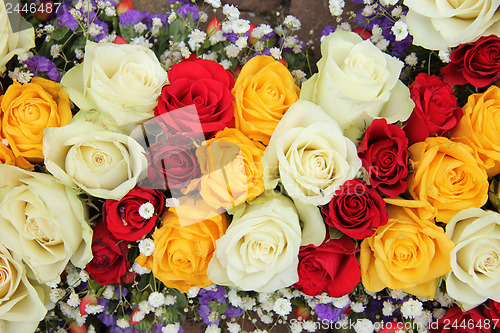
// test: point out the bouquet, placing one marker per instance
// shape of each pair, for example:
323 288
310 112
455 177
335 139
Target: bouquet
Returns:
189 170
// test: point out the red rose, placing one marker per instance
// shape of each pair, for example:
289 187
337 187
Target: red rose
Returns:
383 151
110 261
172 163
356 210
392 327
493 311
477 63
330 267
436 109
472 321
203 83
135 214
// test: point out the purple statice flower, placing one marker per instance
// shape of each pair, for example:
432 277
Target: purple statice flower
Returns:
132 17
106 318
218 294
233 37
65 18
182 1
184 10
203 312
233 312
104 30
39 64
328 30
328 313
121 291
148 19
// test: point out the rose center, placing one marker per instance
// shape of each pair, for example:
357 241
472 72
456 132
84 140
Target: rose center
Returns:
7 275
487 263
33 230
467 9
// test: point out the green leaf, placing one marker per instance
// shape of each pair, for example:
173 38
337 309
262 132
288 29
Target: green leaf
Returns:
60 33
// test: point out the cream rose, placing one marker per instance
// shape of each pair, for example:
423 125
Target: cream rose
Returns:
43 222
475 260
103 163
260 248
310 155
123 81
356 83
440 24
15 37
21 308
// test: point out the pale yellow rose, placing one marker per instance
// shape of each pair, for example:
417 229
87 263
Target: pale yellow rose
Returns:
123 81
260 248
21 308
409 252
231 169
440 24
309 155
16 36
448 175
103 163
480 128
43 221
475 260
356 83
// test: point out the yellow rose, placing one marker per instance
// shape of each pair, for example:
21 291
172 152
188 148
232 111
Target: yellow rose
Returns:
26 110
480 128
182 253
410 252
7 157
263 92
448 175
231 168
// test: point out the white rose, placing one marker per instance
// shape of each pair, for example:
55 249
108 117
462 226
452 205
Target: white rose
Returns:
475 260
440 24
310 155
16 37
123 81
259 250
103 163
356 83
43 222
20 306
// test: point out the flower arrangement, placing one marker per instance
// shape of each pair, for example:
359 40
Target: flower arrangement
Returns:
160 171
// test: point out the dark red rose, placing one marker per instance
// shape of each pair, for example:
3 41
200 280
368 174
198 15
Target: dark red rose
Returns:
493 311
123 217
383 151
456 321
330 267
172 163
110 260
356 210
436 109
477 63
201 83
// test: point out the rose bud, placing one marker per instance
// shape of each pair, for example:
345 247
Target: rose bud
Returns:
44 10
284 62
120 40
251 40
123 6
302 313
74 328
89 299
363 33
213 26
133 320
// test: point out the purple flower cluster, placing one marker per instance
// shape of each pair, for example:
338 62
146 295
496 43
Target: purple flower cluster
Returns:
219 296
41 65
328 313
187 9
133 17
65 19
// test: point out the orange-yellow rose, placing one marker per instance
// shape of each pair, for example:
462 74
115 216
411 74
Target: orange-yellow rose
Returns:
410 252
7 157
26 110
231 169
182 253
263 92
480 128
448 175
